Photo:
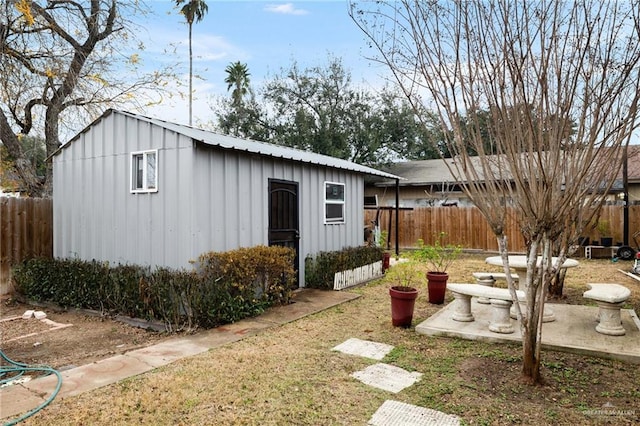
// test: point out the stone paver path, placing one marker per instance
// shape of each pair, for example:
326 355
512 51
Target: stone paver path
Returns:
364 348
392 379
395 413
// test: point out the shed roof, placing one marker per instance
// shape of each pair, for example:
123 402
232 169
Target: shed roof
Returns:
262 148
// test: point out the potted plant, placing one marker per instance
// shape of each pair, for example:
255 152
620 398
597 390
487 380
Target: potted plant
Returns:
403 294
438 258
604 230
386 255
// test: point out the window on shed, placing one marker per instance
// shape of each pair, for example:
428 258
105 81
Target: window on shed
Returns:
334 202
144 171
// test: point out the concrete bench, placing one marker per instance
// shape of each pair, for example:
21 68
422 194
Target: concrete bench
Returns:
610 298
493 276
489 279
500 299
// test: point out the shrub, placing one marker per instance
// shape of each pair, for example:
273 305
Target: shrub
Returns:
251 279
121 292
67 282
321 269
438 256
169 295
225 287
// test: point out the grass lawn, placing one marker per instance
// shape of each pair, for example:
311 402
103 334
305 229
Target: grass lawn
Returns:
289 375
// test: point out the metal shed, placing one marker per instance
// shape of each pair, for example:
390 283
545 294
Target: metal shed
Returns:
130 189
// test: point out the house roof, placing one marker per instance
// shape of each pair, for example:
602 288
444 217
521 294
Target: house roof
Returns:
435 172
633 163
262 148
422 172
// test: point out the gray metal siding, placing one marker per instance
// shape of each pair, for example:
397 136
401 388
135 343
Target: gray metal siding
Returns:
232 202
96 216
208 199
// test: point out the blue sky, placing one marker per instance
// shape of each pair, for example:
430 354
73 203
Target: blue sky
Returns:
266 35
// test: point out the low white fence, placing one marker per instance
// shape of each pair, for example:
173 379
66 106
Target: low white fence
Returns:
357 276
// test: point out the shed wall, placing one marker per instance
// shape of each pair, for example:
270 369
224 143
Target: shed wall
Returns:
231 205
97 217
208 198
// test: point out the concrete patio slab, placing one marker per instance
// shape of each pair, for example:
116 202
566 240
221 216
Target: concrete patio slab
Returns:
387 377
574 330
395 413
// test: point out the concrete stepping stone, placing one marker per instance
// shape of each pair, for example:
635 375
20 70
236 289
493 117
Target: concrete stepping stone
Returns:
364 348
395 413
387 377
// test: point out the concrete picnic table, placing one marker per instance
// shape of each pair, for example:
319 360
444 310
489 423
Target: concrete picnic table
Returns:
519 264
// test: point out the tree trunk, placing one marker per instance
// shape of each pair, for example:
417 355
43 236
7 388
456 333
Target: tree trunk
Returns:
530 362
557 283
24 168
532 318
52 142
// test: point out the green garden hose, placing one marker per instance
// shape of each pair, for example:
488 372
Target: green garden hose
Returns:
14 370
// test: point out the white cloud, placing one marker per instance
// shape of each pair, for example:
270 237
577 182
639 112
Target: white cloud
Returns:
215 48
285 9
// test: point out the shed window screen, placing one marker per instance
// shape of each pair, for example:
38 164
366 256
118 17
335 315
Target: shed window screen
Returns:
334 202
144 171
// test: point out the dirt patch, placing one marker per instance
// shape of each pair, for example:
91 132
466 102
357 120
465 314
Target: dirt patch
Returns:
88 338
601 390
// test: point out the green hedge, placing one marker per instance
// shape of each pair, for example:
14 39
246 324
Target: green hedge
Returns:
224 287
321 269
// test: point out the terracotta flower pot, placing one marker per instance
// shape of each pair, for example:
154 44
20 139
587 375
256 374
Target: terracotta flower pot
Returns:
437 285
386 256
402 302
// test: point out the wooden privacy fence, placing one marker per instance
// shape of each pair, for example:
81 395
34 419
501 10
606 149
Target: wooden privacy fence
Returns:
466 226
26 230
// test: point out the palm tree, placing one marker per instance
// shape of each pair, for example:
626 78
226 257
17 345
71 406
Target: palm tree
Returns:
193 11
237 77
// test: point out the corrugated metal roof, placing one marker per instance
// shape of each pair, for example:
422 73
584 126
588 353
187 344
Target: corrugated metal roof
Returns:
255 147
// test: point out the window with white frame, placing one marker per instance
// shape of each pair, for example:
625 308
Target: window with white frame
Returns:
333 202
144 171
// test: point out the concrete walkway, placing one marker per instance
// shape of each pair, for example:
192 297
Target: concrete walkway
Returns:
20 398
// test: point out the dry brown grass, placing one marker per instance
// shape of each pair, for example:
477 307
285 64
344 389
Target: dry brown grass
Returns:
289 375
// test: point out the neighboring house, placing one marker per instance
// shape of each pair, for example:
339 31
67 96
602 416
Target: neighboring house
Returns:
633 173
425 183
430 183
136 190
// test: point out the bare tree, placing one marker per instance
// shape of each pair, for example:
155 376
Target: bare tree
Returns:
561 82
64 62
